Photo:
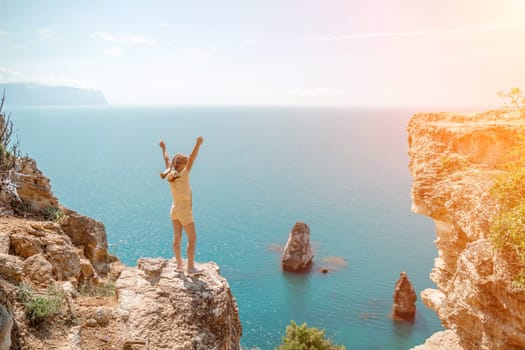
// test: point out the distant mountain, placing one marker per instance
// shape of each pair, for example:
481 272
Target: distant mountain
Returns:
35 94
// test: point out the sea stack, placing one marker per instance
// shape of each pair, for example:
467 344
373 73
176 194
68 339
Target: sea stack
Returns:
297 255
404 298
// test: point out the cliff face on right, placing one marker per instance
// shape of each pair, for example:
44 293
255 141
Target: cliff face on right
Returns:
454 159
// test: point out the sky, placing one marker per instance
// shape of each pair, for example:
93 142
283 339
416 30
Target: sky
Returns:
270 52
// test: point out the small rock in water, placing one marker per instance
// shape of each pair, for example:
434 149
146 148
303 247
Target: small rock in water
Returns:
404 298
323 270
297 255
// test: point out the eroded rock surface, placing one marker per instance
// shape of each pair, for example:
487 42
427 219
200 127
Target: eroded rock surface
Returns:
9 332
6 325
453 160
297 254
445 340
176 311
33 187
43 243
404 298
89 234
41 252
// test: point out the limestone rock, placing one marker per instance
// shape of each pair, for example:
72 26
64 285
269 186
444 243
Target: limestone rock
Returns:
171 309
8 196
25 245
445 340
38 270
152 267
69 289
7 300
102 316
33 187
40 252
453 161
91 323
4 243
297 255
404 298
11 266
86 270
116 269
6 325
30 238
74 339
63 256
432 298
91 235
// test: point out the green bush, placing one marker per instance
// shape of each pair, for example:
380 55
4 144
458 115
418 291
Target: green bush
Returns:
304 338
41 307
9 145
53 214
24 293
507 229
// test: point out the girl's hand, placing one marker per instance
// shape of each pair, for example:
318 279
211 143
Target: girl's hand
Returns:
162 144
199 140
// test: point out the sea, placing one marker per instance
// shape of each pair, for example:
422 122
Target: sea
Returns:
342 170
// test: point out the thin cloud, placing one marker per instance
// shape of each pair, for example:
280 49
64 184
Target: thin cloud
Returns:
319 91
124 39
252 42
45 33
163 25
199 54
3 33
114 51
422 33
10 76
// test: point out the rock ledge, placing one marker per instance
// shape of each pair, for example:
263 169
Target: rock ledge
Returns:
176 311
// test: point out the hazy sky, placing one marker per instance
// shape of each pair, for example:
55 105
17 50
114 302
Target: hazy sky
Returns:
354 52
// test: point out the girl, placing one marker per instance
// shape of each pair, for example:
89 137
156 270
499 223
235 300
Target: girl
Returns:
178 175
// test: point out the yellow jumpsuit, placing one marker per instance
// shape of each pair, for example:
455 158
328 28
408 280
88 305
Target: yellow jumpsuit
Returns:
181 209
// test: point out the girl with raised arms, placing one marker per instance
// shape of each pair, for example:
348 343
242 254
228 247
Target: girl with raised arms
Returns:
178 175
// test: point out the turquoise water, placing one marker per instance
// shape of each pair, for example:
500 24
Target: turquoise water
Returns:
343 171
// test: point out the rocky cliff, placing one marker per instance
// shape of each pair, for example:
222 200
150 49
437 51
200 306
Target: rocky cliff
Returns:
453 161
107 305
174 311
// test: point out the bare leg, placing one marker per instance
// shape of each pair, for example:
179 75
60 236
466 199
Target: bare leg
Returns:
192 239
177 238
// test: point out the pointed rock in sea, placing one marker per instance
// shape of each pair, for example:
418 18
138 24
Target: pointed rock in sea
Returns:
297 255
404 298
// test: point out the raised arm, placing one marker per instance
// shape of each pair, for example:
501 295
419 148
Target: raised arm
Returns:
164 153
194 153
